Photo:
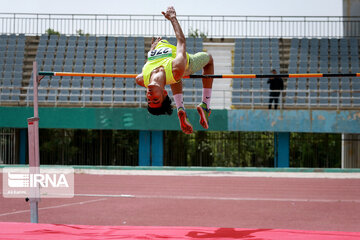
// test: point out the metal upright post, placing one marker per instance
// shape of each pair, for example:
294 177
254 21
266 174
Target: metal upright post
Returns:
34 155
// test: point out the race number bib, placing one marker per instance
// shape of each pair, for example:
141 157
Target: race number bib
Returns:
159 53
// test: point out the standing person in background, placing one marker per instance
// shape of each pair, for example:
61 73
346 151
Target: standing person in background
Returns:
276 85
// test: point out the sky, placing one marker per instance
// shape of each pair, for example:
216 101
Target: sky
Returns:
182 7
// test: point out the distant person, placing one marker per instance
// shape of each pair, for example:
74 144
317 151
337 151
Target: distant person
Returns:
276 85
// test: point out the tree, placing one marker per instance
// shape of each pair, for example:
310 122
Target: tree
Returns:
196 34
80 33
51 31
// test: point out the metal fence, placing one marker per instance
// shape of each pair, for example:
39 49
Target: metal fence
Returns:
219 149
299 98
88 147
216 149
222 98
156 25
249 149
8 146
203 148
315 150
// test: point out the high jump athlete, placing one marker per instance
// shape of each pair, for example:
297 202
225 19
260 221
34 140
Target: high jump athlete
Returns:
167 64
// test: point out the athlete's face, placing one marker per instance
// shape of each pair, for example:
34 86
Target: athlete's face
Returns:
155 93
155 96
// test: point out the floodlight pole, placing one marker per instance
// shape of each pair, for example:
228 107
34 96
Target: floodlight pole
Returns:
34 153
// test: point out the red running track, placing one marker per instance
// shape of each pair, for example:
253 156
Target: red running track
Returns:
81 232
253 203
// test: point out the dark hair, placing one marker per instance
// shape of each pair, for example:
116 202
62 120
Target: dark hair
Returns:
165 109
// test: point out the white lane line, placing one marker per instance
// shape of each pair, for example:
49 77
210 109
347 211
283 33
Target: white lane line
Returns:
251 199
223 198
327 175
53 207
104 195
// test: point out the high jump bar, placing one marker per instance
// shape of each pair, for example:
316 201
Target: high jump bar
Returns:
123 75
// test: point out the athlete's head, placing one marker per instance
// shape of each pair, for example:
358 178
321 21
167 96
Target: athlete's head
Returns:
157 97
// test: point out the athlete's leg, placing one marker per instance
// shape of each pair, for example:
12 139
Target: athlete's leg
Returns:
204 107
185 125
208 70
204 61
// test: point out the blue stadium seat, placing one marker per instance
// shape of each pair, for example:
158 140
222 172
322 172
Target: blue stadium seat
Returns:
189 94
86 92
90 52
130 43
323 92
334 91
256 87
109 68
62 40
43 40
120 43
172 40
119 90
63 95
99 68
345 91
354 63
81 41
120 53
355 86
246 95
70 53
68 67
141 93
42 89
324 51
57 68
54 85
120 66
265 56
129 90
235 98
17 79
107 93
344 51
96 93
130 68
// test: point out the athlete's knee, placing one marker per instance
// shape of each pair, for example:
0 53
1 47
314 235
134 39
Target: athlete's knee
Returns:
211 60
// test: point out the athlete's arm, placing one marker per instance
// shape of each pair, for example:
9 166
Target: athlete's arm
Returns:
140 80
179 63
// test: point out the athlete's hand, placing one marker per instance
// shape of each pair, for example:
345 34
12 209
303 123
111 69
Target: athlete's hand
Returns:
170 13
154 42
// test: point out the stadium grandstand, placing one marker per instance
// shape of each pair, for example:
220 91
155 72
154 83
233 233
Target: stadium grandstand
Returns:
305 103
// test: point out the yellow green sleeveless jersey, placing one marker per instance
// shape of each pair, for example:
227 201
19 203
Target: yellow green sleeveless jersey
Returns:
163 55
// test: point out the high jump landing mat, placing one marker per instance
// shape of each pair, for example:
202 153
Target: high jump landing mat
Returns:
26 231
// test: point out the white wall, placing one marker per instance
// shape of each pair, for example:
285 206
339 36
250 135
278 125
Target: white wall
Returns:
351 8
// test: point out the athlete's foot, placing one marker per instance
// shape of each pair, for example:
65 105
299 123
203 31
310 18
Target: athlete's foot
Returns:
204 113
185 125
